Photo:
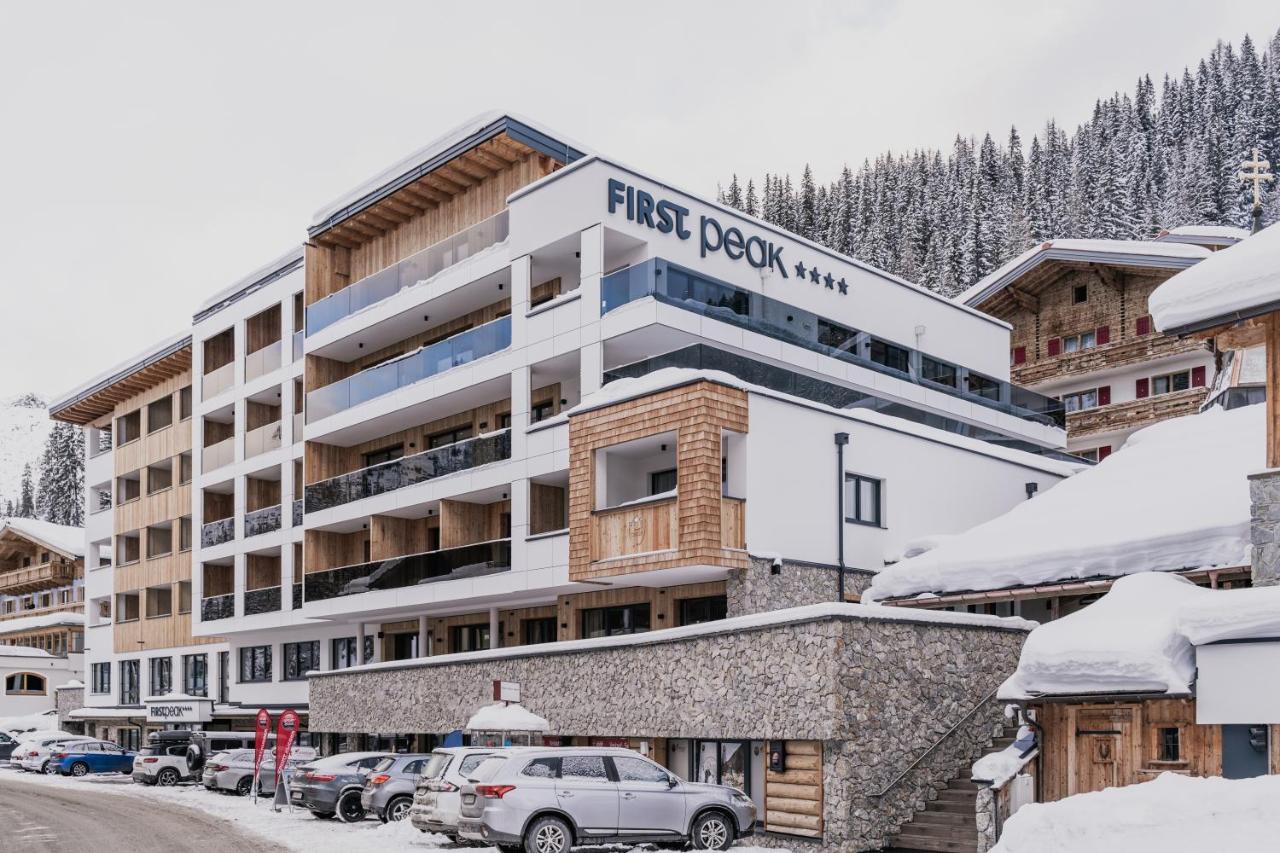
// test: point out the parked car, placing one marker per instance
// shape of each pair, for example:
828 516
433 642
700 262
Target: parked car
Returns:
36 754
388 789
233 771
334 785
80 758
171 757
25 741
437 799
7 744
546 800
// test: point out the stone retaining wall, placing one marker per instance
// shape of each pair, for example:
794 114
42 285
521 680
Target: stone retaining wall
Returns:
761 587
68 699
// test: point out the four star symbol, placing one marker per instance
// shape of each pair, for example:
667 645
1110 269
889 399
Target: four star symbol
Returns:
829 281
843 285
800 269
813 274
817 278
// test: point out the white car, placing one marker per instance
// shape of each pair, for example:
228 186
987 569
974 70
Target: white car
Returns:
36 753
438 796
24 740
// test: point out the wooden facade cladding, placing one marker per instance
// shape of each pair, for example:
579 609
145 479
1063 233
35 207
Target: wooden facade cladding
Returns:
55 573
1133 350
661 535
793 798
1118 416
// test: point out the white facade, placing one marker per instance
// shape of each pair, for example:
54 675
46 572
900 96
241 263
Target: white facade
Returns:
30 677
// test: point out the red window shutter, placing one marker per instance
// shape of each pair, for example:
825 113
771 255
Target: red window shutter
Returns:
1055 346
1144 388
1103 335
1104 452
1144 325
1104 395
1197 377
1019 355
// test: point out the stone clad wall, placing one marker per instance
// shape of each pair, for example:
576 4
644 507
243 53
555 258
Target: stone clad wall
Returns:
757 589
68 699
1264 527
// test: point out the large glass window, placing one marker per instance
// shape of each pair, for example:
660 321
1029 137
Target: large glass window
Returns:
611 621
938 372
195 675
386 454
542 630
344 652
100 679
300 658
161 676
891 356
452 436
1170 382
862 499
695 611
661 482
468 638
1081 400
255 663
130 672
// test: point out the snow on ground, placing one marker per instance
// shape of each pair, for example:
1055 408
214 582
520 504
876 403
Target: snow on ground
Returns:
1239 278
1135 512
1170 814
294 831
44 721
999 767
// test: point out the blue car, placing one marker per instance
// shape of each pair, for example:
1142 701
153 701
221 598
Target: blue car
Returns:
92 756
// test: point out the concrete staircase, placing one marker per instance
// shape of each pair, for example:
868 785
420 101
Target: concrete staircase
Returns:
947 824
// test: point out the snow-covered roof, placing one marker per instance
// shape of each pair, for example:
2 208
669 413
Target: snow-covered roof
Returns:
29 722
630 388
123 369
1174 497
1235 283
89 713
247 284
1218 232
1143 253
60 537
11 651
45 620
73 684
504 717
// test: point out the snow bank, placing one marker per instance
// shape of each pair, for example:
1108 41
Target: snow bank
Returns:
11 651
45 620
1241 278
999 767
1170 814
60 537
1232 614
1227 231
43 721
504 717
1174 497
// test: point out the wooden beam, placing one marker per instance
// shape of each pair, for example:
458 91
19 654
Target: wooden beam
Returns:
442 184
384 210
494 151
428 192
1111 278
374 220
407 206
470 166
1024 300
450 173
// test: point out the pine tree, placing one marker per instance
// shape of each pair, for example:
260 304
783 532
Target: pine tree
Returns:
751 206
59 498
26 507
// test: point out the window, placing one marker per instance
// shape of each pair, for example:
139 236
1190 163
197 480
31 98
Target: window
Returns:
1075 343
129 681
504 420
695 611
255 663
1171 382
1080 400
161 676
440 439
541 630
542 768
468 638
894 357
386 454
639 770
184 468
300 658
542 411
195 675
938 372
344 651
184 596
160 414
862 500
611 621
588 767
1169 744
224 677
159 601
184 535
21 683
129 427
100 678
662 481
1079 294
184 403
983 386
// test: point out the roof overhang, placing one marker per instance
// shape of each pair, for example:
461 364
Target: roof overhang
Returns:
99 399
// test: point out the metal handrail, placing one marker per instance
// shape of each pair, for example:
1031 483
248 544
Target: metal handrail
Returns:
936 744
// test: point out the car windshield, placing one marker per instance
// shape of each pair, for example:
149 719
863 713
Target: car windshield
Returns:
148 750
487 769
436 765
471 762
384 764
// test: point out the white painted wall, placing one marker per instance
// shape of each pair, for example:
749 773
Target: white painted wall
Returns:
55 671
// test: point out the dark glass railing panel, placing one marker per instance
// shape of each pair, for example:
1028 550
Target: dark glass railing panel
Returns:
218 607
262 521
426 362
297 513
261 600
468 561
217 532
691 291
297 596
409 470
706 357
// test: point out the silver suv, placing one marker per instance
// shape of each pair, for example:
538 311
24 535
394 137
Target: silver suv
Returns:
545 800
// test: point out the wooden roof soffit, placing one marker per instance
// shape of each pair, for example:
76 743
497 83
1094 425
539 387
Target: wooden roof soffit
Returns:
102 401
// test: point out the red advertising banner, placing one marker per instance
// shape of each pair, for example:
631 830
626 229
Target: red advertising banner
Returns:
286 733
261 726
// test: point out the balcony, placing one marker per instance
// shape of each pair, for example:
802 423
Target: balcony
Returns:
467 561
637 528
262 521
297 427
297 596
298 338
674 285
409 470
218 380
297 513
733 523
408 272
1134 413
407 369
262 439
218 607
36 578
261 600
263 361
217 532
218 454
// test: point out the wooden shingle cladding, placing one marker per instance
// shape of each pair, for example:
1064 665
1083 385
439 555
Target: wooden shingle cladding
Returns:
1120 416
685 532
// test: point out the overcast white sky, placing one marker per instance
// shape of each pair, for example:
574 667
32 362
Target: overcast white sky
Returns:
151 153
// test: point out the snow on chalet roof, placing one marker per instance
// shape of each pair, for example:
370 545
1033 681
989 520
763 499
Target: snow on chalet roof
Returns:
1174 497
60 537
46 620
503 717
1130 252
1226 232
630 388
8 651
1236 283
1139 638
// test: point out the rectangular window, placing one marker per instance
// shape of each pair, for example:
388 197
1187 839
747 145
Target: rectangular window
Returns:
184 468
862 500
542 411
161 676
1082 341
938 372
542 630
224 677
695 611
160 414
1171 382
504 420
1081 400
468 638
101 678
184 403
129 682
184 596
255 663
195 675
662 481
344 651
452 436
1080 294
386 454
300 658
1170 746
983 386
184 533
891 356
612 621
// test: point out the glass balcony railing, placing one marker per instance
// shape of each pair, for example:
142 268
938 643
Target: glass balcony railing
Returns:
261 521
217 380
297 513
297 345
297 596
407 369
261 600
218 607
297 427
262 439
409 470
691 291
465 562
219 454
217 532
408 272
263 361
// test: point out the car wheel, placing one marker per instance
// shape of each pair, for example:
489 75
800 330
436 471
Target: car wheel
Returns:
323 815
244 786
397 809
79 769
167 777
548 835
45 768
349 808
712 831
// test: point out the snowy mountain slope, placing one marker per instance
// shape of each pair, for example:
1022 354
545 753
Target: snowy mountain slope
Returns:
24 427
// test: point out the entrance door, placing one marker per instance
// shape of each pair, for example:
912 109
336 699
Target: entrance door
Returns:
1102 749
1244 751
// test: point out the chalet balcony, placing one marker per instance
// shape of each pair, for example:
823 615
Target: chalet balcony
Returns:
1138 350
36 578
409 470
218 607
467 561
418 267
414 367
1135 413
640 527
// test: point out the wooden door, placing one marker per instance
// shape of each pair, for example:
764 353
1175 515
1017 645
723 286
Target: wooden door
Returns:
1103 749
